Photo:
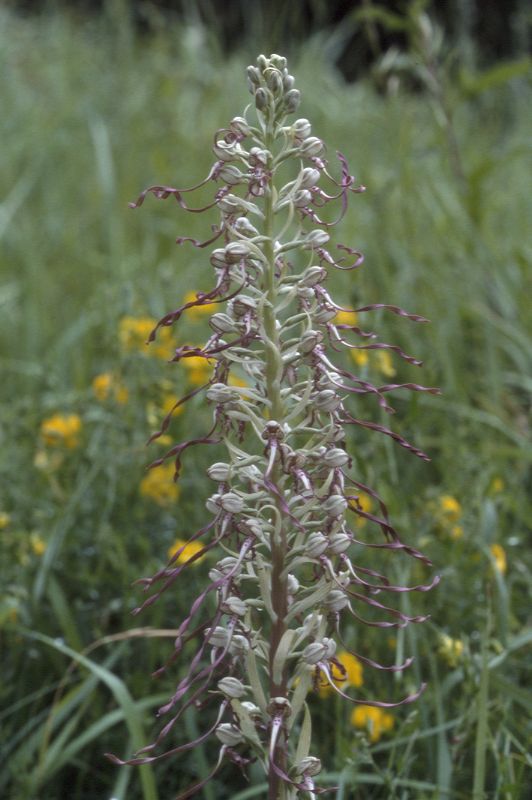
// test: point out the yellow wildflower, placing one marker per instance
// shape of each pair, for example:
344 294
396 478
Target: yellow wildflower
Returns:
374 720
456 532
37 544
198 369
159 485
234 380
353 675
61 430
365 503
497 485
5 519
189 550
360 357
450 509
197 312
133 333
384 363
345 318
450 649
499 556
168 403
105 387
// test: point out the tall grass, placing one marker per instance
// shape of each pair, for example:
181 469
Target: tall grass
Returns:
91 114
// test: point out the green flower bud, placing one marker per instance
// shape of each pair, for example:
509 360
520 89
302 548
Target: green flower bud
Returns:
219 472
314 652
316 545
220 393
234 605
315 239
336 600
340 542
229 734
219 637
335 505
222 323
309 766
292 99
313 276
311 147
261 99
301 129
232 502
232 687
279 62
335 457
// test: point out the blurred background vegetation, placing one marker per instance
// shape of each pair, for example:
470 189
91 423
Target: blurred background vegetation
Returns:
431 102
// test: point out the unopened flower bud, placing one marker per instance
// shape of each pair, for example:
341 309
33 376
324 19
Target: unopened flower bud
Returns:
229 734
252 708
239 646
219 637
336 600
231 502
309 340
240 125
330 644
316 238
336 457
262 63
227 564
288 82
259 157
324 315
253 75
312 622
335 505
235 251
220 471
292 99
213 503
252 526
302 198
308 767
231 175
243 304
232 687
234 605
314 652
217 258
261 99
316 545
226 151
326 400
222 323
274 81
311 147
301 128
245 228
309 177
279 62
313 275
220 393
340 542
230 204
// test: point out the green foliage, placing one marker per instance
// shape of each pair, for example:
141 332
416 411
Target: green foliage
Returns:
91 115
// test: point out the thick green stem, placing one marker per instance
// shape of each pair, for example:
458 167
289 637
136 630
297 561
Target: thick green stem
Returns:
274 368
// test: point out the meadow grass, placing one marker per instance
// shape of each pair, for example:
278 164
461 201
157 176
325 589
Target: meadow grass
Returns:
91 115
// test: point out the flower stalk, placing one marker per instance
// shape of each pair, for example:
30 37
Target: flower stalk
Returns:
283 579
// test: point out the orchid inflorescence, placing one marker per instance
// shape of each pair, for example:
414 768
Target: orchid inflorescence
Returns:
268 623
